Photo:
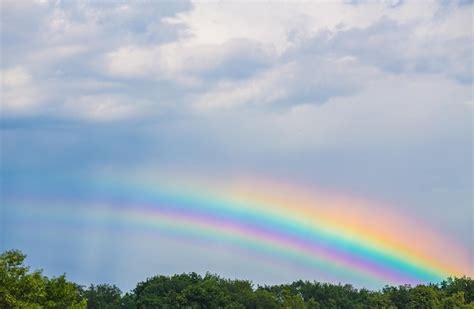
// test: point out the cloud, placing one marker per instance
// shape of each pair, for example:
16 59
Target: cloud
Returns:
58 44
184 63
303 83
306 80
130 62
15 77
290 59
104 107
19 94
407 52
214 56
290 23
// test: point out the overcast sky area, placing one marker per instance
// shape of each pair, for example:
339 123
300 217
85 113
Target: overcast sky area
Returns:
369 99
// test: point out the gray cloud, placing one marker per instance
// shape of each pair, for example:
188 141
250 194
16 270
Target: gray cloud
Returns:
395 48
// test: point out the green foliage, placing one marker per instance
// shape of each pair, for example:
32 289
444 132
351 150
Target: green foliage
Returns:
291 300
104 296
265 299
456 300
424 297
452 286
22 288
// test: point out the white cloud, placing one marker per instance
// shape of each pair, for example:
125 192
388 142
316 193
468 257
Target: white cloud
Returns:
104 107
283 24
450 21
216 33
304 81
19 93
232 54
184 63
15 77
131 61
55 46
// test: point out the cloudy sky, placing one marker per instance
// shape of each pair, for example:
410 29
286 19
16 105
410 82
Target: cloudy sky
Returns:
373 99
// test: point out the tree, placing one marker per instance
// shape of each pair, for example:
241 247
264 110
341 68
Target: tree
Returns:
240 292
20 288
292 301
312 304
424 297
452 286
103 296
128 301
399 297
265 300
456 300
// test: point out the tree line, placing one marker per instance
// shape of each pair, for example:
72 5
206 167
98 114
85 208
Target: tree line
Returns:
22 288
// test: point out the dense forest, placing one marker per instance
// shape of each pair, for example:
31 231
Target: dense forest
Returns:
22 288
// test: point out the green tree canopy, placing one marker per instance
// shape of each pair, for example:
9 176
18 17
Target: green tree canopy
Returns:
22 288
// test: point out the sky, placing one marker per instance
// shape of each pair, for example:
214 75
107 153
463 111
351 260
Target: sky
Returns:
367 100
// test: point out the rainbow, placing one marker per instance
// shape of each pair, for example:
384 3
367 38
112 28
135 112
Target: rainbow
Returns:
329 234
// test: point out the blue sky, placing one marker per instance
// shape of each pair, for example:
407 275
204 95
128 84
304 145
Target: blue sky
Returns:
370 98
